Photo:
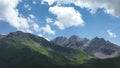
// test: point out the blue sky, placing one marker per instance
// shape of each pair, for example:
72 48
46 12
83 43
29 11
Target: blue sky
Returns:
52 18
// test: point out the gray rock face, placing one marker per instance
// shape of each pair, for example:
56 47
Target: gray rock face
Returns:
100 47
97 46
60 40
17 34
74 41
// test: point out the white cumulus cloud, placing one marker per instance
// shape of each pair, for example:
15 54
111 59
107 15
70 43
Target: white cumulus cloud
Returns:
109 6
47 29
66 17
111 34
10 14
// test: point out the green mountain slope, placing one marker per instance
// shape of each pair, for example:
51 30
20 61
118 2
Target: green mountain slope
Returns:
95 63
106 63
24 50
22 53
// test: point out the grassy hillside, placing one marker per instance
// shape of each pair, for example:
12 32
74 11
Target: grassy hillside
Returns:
14 54
106 63
23 50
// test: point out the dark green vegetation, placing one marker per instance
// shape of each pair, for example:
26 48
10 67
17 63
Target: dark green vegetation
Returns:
24 50
96 63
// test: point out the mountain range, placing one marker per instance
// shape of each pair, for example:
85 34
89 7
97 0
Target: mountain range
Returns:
97 47
25 50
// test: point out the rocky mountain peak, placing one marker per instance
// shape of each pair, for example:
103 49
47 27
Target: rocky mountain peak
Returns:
74 38
17 34
98 41
97 38
97 46
74 41
59 40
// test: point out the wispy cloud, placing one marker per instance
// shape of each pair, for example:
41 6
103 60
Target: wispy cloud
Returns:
34 2
111 34
49 20
27 6
50 2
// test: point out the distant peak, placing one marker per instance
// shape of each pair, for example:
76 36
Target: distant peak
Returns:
17 32
74 37
61 38
97 38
